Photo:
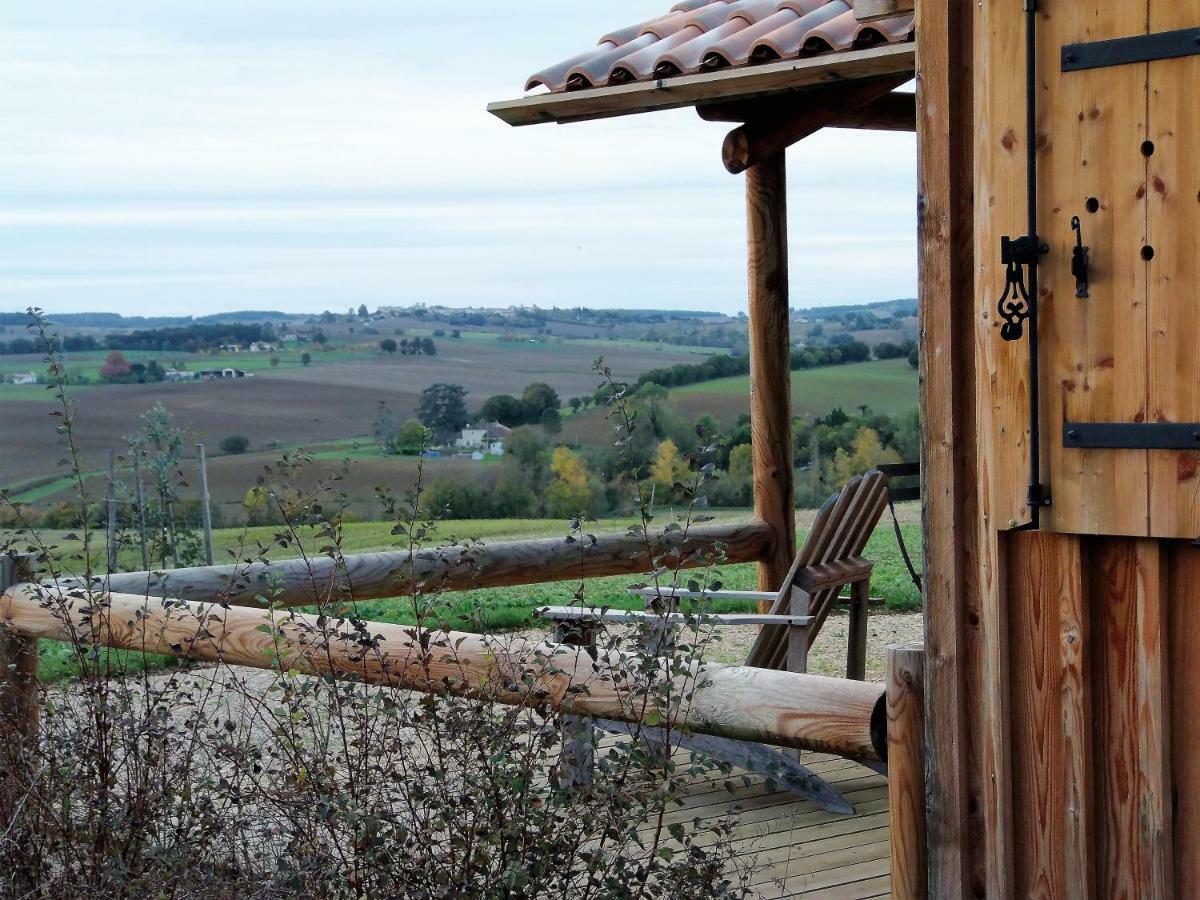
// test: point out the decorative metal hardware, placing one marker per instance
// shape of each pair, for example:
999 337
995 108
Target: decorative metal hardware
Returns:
1020 256
1131 435
1079 261
1136 49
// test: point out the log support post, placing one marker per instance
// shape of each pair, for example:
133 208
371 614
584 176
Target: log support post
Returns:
18 664
906 771
18 695
770 364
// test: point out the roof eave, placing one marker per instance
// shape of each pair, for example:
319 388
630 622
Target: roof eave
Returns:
710 87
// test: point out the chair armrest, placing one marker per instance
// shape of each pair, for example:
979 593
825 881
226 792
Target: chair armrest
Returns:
676 593
833 574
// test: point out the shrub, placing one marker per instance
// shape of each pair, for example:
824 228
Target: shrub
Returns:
235 444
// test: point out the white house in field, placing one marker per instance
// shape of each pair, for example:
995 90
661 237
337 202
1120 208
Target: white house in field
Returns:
22 378
487 438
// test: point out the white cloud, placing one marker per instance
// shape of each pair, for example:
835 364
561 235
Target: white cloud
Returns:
231 155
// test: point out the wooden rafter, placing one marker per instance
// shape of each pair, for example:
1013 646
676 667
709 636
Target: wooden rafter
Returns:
769 134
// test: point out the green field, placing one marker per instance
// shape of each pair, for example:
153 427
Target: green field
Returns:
498 609
889 387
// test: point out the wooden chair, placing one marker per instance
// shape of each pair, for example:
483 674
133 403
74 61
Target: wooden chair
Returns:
830 559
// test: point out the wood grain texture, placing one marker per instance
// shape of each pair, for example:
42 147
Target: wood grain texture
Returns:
692 90
18 665
1127 587
871 10
1184 634
769 707
372 576
946 142
906 771
770 364
765 136
1002 372
1051 754
1173 276
1091 127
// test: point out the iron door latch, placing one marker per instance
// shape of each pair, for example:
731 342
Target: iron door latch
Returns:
1019 255
1079 261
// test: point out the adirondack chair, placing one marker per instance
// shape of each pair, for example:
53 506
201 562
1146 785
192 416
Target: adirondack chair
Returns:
830 559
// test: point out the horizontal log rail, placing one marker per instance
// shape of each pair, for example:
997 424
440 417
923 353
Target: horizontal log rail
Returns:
785 709
375 576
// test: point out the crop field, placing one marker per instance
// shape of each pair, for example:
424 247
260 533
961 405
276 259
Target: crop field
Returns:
889 387
295 405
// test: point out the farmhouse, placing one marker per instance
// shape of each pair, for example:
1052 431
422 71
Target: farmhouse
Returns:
225 373
22 378
488 437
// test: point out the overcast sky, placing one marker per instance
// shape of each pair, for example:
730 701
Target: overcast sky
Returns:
192 156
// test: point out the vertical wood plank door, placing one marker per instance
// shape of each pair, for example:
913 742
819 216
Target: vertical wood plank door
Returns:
1002 383
1092 125
1173 274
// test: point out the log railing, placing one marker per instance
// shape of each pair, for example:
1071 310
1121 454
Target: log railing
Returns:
766 706
374 576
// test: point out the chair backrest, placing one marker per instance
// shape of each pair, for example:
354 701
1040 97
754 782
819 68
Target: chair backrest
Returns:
840 531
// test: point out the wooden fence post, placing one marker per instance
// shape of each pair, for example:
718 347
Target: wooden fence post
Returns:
110 504
18 664
906 770
205 504
141 507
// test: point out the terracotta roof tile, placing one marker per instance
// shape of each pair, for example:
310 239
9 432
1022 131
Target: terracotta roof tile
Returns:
699 35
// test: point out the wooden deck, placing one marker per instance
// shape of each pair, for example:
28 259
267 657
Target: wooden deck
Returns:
797 849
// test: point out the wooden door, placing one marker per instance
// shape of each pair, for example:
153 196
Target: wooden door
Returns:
1119 148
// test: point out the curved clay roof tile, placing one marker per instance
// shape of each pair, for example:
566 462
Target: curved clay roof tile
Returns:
786 42
803 7
555 77
594 70
836 34
735 50
689 5
686 57
625 35
639 65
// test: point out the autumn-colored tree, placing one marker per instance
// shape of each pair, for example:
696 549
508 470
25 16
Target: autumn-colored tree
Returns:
669 467
741 462
573 491
867 454
116 367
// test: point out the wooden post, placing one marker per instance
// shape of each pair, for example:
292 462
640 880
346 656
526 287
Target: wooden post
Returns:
856 651
111 508
205 504
798 635
18 664
771 364
141 504
906 771
945 234
766 706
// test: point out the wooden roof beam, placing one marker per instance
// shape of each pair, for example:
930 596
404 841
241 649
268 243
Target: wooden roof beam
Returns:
896 111
874 10
767 135
784 77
